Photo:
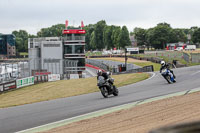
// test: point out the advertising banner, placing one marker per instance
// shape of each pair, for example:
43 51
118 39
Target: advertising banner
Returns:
53 77
25 82
74 76
133 49
9 85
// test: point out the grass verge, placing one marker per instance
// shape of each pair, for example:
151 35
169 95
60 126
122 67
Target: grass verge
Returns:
60 89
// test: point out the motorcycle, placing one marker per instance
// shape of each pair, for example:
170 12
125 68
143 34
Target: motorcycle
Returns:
168 76
106 87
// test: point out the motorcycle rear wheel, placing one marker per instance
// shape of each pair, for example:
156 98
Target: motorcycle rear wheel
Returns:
116 91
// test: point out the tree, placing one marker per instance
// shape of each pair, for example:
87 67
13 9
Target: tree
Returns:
196 36
161 35
89 29
177 35
150 37
55 30
99 28
107 37
115 36
140 36
21 40
124 39
93 41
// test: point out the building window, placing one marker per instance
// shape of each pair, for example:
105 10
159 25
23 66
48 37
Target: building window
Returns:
79 49
68 49
81 62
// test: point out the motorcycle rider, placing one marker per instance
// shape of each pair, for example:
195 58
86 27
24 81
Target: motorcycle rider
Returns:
105 75
166 66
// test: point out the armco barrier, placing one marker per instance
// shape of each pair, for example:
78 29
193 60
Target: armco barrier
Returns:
137 70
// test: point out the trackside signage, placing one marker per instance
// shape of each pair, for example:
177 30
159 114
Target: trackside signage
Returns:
25 82
7 86
133 49
53 77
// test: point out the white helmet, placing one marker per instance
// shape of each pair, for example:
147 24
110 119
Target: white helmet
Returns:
99 72
162 63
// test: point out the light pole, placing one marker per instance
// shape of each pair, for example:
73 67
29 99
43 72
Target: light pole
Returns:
126 58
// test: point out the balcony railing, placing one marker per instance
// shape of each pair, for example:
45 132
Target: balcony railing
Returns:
76 38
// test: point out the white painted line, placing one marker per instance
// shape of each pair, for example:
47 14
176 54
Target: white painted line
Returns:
153 75
195 73
91 72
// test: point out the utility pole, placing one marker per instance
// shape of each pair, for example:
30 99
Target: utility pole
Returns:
126 58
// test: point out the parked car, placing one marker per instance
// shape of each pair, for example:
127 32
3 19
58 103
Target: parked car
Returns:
178 49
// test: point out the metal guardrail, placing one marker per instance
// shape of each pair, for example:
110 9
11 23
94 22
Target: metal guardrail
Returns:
117 67
138 70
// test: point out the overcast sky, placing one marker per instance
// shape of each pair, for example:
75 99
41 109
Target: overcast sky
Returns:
32 15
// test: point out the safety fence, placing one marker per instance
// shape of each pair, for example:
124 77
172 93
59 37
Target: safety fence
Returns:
112 66
174 63
18 83
120 68
192 57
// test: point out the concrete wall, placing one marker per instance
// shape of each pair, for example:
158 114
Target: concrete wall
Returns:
195 58
34 58
51 56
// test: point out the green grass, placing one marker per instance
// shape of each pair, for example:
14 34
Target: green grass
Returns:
23 53
93 54
156 66
60 89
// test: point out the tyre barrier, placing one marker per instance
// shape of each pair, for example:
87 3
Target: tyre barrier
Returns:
192 127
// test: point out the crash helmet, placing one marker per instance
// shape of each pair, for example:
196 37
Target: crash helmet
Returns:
99 72
162 63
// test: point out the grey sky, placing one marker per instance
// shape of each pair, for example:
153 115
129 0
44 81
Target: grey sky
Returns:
32 15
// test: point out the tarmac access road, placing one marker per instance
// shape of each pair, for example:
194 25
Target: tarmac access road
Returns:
23 117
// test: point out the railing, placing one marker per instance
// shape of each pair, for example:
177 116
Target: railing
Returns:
81 38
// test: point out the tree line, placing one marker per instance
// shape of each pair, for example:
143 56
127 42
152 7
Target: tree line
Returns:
102 36
158 36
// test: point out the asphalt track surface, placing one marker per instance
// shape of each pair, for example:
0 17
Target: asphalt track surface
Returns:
23 117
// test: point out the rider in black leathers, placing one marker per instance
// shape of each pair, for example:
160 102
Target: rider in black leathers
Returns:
105 75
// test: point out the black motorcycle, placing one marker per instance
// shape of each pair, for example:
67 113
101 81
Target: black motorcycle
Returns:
166 74
106 87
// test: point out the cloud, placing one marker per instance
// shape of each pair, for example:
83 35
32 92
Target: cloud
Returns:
32 15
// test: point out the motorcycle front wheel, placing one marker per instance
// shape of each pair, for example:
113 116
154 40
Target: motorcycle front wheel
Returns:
104 92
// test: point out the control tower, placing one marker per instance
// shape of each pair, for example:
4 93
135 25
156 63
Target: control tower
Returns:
74 49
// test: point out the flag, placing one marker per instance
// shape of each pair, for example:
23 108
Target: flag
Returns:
66 24
82 25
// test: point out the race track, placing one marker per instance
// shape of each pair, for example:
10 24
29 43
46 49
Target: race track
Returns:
19 118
